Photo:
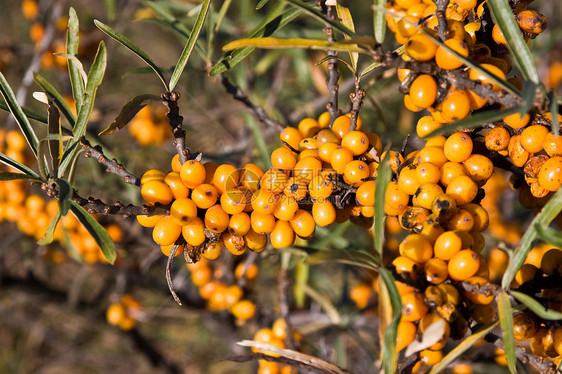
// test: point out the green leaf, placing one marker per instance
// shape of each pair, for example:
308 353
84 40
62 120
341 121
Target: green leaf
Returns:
42 163
190 44
274 21
69 157
65 196
15 176
345 256
554 112
50 233
276 43
72 40
128 112
261 4
347 20
522 57
546 215
18 114
384 173
19 167
28 112
347 64
370 68
461 348
316 13
549 235
78 65
54 95
379 21
473 121
96 230
540 310
125 42
389 354
505 314
55 145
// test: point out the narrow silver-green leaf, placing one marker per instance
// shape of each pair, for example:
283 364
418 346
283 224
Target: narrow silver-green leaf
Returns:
54 95
96 230
389 354
65 195
379 21
186 53
505 314
461 348
544 218
540 310
72 40
503 15
316 13
18 166
345 256
69 157
28 112
347 20
127 43
55 145
18 114
383 178
78 65
128 112
549 235
370 68
261 4
280 43
15 176
554 112
50 233
42 163
474 121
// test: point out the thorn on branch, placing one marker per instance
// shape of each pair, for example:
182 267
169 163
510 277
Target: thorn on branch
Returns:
111 166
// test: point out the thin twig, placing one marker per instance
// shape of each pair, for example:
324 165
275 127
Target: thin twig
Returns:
176 120
441 19
333 74
356 103
169 274
111 166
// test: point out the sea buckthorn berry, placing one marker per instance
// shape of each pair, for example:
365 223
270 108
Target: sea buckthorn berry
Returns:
233 202
313 153
421 47
497 35
192 173
531 21
476 297
430 357
408 181
479 168
152 174
303 224
456 106
167 249
175 163
226 178
320 187
183 210
463 265
324 120
308 143
413 307
532 138
356 141
262 223
462 220
444 207
255 242
308 127
156 191
395 197
517 154
406 334
326 150
455 29
423 90
212 251
426 172
426 125
413 218
416 247
480 215
341 157
264 201
516 121
525 273
166 231
274 180
341 126
458 147
542 344
249 177
477 76
551 263
283 158
210 168
403 265
553 144
407 26
234 244
296 188
431 230
282 235
447 245
286 208
216 219
291 136
365 194
445 59
175 183
355 172
525 326
149 221
204 196
550 174
435 270
243 309
426 194
307 168
497 139
323 212
327 136
194 232
434 155
557 338
462 189
239 224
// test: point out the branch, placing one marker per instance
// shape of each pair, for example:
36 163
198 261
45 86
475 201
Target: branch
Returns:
333 74
239 95
111 166
96 206
176 120
356 103
441 19
488 289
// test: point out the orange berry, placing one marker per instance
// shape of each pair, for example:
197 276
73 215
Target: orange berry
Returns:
249 177
296 188
166 231
458 147
291 136
532 138
156 191
550 174
320 187
356 141
355 172
204 196
286 208
416 247
413 307
426 125
192 173
175 183
216 219
423 91
264 201
149 221
447 60
365 194
234 244
456 106
239 224
308 127
283 158
225 178
421 47
194 232
212 251
183 210
151 174
255 242
323 212
477 76
282 235
462 189
262 223
303 224
244 309
479 168
405 335
463 265
447 245
233 201
307 168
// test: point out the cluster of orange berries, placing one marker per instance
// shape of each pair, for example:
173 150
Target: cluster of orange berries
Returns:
274 336
220 296
125 313
320 176
150 126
